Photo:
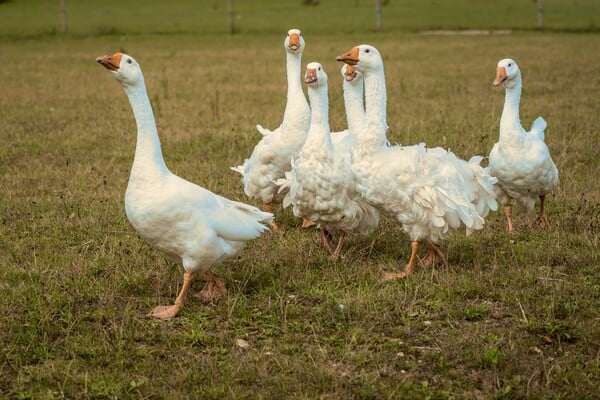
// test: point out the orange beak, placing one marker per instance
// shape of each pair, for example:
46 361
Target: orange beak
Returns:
111 63
310 76
294 42
500 76
350 58
349 73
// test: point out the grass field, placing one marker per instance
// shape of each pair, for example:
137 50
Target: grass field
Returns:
509 317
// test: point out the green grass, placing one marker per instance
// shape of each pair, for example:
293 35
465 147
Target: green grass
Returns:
509 317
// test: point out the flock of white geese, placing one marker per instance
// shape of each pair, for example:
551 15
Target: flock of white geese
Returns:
340 181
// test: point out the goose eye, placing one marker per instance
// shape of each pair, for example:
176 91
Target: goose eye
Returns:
319 68
367 50
510 64
129 61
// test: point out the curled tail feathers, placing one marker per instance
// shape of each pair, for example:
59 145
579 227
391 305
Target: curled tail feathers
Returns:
262 131
486 196
285 185
239 169
538 127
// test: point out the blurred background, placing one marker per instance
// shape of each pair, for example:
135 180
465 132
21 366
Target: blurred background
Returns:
20 18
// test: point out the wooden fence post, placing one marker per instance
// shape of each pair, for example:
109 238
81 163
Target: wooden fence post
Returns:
63 16
377 15
230 17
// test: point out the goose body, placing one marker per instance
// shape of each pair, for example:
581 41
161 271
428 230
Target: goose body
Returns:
430 191
321 184
272 155
193 226
520 159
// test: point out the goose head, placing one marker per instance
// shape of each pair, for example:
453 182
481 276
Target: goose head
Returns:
507 73
364 57
123 67
294 43
315 75
351 74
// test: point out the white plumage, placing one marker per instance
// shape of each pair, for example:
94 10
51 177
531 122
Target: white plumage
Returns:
353 90
431 192
193 226
321 185
520 160
272 156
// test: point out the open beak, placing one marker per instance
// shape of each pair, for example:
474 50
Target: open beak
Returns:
500 76
349 73
310 76
112 63
294 42
350 58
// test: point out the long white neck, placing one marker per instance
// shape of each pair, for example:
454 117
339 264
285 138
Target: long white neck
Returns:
373 134
296 108
510 123
148 161
318 140
354 105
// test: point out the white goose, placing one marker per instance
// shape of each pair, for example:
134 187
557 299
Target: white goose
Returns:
353 90
431 192
321 183
271 157
193 226
520 160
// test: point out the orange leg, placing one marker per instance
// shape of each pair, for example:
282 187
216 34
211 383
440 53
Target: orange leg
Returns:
168 312
338 248
327 240
433 256
541 220
268 207
508 213
213 289
414 245
307 223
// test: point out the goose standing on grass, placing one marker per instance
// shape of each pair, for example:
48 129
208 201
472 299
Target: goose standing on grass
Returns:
320 185
193 226
520 160
354 92
272 156
430 192
354 106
